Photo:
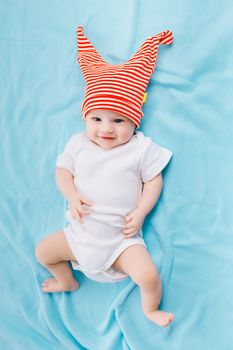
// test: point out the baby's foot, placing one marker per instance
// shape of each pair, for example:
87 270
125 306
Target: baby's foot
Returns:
161 318
51 285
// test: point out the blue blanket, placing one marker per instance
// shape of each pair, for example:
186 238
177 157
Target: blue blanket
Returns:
188 233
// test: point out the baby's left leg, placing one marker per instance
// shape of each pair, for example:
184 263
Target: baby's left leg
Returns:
53 252
136 262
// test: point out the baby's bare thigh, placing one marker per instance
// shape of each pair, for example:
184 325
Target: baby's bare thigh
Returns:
136 262
55 247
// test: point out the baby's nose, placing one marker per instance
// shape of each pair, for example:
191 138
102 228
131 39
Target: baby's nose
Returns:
107 128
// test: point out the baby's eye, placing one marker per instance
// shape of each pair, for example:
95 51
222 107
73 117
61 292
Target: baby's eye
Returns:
96 119
118 120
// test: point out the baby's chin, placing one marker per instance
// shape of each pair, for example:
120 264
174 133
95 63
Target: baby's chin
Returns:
108 144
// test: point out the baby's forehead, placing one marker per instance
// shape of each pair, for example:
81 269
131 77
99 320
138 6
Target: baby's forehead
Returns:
105 113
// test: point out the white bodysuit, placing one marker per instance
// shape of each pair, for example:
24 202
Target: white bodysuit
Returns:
112 180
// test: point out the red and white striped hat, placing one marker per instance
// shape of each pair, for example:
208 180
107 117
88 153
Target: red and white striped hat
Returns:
120 87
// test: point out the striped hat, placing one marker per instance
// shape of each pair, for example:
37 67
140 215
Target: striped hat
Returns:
120 87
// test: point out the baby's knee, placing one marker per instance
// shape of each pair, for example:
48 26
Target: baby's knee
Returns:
148 277
41 253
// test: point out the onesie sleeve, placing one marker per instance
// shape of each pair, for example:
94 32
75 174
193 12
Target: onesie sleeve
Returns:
154 159
66 158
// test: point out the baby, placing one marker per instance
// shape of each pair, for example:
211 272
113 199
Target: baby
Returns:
110 175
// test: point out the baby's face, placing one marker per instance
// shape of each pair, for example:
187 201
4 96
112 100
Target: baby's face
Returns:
108 129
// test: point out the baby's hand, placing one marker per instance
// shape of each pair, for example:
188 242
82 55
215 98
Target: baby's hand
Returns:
76 202
134 222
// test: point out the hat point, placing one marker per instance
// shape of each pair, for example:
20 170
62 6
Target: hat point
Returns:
80 30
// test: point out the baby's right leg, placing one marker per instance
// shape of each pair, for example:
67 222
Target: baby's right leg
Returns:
54 253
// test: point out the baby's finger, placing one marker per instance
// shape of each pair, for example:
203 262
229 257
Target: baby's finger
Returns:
86 201
129 230
76 215
128 226
79 208
86 211
82 211
128 218
130 234
80 218
132 223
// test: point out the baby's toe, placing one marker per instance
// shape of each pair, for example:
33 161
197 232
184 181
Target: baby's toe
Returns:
46 282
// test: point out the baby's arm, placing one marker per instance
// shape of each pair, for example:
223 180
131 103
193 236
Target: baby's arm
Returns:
65 182
150 194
